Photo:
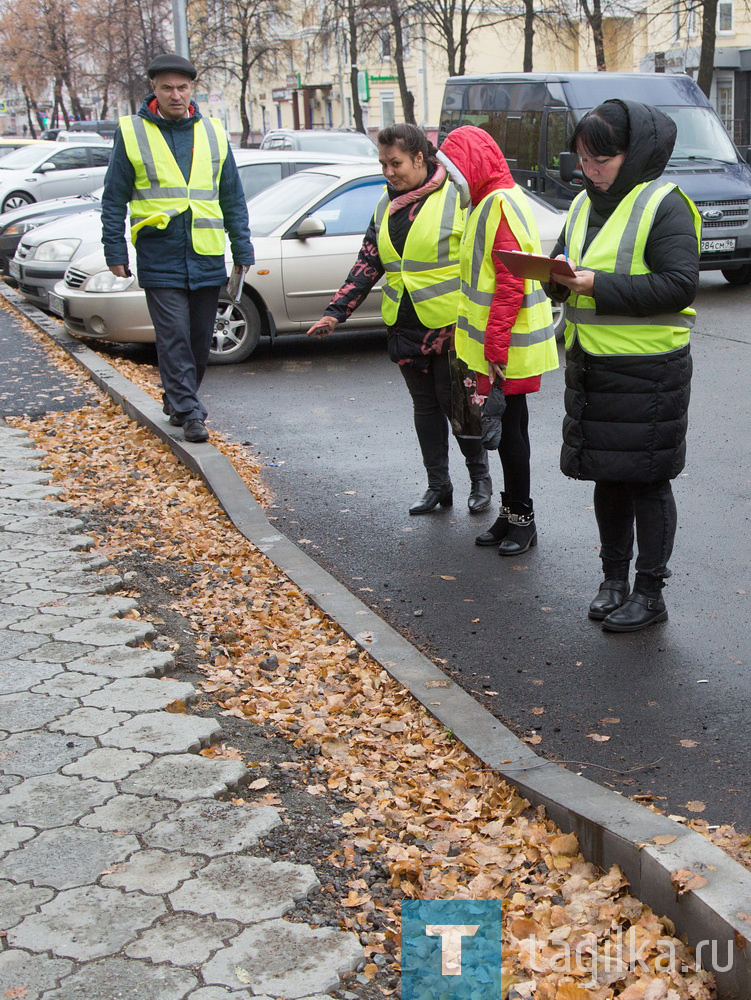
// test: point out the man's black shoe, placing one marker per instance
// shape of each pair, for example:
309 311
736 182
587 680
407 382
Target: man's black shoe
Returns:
195 431
480 495
175 420
637 611
433 496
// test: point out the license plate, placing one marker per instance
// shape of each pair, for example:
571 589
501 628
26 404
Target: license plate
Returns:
715 246
15 269
57 305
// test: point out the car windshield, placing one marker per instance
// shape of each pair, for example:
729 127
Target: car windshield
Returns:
347 143
24 156
277 204
701 136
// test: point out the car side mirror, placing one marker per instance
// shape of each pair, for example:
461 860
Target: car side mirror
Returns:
567 164
310 226
44 168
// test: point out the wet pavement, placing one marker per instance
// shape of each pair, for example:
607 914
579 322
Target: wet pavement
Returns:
333 422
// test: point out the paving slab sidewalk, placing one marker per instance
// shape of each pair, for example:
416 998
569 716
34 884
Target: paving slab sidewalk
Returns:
121 874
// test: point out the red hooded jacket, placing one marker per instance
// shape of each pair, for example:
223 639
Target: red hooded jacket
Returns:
484 166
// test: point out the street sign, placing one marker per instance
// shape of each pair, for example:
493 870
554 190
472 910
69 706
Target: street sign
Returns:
363 85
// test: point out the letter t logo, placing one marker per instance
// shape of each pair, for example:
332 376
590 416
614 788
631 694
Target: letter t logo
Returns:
451 944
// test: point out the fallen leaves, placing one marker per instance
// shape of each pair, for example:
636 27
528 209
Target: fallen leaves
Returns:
689 743
598 737
684 880
696 806
440 823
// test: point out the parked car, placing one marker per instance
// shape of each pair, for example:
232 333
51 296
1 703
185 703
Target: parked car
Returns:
10 142
51 170
105 128
322 139
41 255
307 231
533 115
19 221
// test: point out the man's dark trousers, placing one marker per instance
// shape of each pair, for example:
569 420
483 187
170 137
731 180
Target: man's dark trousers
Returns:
184 321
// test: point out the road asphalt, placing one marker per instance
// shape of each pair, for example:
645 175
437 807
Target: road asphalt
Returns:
662 713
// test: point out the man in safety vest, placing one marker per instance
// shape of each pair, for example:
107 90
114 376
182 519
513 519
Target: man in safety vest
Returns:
175 170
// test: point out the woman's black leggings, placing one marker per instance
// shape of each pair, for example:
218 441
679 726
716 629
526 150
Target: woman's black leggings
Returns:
514 449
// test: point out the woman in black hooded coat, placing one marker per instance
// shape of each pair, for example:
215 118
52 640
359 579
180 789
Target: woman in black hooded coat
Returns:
627 404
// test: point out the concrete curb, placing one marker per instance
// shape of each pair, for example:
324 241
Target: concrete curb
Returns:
610 828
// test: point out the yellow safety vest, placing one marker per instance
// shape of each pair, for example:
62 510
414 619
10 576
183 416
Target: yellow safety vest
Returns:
532 350
618 248
160 191
429 267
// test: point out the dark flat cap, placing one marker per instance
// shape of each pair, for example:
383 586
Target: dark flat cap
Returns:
171 64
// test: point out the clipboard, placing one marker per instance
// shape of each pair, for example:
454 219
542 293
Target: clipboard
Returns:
534 265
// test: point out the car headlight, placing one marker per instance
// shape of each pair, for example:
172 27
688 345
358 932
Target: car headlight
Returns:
19 228
56 250
106 281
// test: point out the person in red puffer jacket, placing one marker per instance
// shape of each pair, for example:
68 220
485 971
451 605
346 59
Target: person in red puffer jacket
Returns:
505 327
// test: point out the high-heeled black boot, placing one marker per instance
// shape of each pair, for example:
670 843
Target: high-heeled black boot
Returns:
432 497
522 531
499 528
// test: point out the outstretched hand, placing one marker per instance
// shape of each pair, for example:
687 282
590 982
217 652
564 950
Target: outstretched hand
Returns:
322 327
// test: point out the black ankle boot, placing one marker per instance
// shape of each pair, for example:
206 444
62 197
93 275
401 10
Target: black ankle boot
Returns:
522 532
432 497
636 612
611 596
480 495
499 529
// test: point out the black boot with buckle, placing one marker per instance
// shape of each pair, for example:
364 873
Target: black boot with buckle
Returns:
522 531
432 497
611 596
636 612
499 528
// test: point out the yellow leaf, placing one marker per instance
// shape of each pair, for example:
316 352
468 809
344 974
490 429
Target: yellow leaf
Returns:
258 784
665 838
696 806
598 737
448 577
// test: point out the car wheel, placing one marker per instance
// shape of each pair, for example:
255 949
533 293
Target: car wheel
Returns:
236 332
738 275
559 321
16 199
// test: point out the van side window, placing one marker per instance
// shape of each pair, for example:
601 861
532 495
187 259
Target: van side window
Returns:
557 135
528 149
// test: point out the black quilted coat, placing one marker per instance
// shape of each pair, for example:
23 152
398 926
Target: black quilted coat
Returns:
627 415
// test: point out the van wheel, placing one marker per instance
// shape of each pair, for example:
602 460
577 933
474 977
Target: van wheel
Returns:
738 275
559 321
236 332
17 199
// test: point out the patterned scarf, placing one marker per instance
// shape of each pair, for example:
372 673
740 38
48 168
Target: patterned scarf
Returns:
402 200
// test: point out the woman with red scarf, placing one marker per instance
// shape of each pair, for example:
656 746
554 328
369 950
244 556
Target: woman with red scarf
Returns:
414 239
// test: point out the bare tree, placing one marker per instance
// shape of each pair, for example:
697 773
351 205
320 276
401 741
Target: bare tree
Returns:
236 36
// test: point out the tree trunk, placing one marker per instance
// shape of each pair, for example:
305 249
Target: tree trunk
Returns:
31 104
708 38
244 106
463 39
353 73
408 98
594 20
529 33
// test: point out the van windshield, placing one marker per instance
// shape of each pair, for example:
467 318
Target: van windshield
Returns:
701 136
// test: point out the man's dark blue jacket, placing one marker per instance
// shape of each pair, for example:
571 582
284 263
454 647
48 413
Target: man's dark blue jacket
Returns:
166 258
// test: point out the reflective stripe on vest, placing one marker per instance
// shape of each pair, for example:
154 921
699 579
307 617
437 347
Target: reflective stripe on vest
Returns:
619 248
160 192
532 350
429 267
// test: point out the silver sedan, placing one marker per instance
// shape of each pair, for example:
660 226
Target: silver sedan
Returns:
307 231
